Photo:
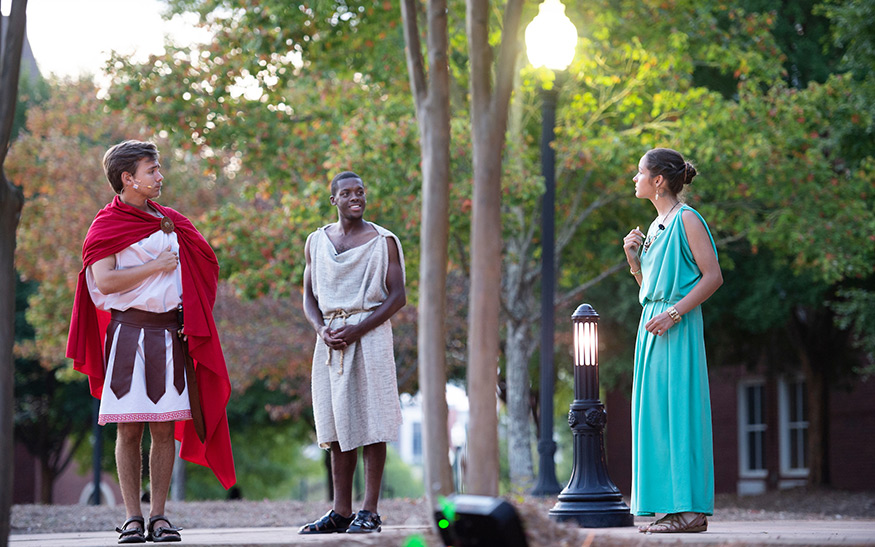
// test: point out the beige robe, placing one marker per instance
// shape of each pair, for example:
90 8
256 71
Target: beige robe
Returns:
355 391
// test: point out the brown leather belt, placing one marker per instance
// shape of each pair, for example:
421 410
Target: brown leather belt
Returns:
153 325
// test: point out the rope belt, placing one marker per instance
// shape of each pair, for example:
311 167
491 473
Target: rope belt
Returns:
342 314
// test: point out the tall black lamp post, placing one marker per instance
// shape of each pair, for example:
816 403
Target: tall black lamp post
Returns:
590 498
97 454
550 42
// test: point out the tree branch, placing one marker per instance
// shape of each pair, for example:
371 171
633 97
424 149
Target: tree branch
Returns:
463 255
62 465
413 53
574 293
480 55
507 54
13 42
438 62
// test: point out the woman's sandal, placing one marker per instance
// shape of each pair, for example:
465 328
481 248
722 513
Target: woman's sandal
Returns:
162 534
132 535
330 523
644 527
675 523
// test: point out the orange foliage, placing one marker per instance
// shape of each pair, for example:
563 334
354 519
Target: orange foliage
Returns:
266 339
58 162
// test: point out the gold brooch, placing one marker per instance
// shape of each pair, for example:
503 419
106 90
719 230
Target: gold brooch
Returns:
167 225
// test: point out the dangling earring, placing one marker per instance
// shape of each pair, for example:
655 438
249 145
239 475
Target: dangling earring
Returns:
136 186
655 199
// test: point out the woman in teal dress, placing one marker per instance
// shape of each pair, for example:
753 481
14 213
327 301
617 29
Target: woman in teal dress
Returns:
676 266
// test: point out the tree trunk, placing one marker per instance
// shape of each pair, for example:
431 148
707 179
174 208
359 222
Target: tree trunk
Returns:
520 304
483 343
47 481
11 202
818 423
488 124
813 335
432 99
519 348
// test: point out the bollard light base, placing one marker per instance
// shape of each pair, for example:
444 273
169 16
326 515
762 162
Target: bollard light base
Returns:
589 514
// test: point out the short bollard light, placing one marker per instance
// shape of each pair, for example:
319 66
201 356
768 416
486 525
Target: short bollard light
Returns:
590 498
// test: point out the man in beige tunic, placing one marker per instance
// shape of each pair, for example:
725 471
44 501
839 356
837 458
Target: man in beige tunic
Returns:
353 283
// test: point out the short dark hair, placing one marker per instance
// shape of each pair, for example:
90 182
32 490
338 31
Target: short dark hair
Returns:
124 158
342 176
671 165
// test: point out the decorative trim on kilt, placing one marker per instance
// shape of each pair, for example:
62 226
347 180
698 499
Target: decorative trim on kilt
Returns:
175 416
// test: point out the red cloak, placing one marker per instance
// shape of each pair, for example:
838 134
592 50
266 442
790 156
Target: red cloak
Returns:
116 227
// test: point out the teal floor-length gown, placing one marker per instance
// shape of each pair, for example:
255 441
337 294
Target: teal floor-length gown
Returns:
672 450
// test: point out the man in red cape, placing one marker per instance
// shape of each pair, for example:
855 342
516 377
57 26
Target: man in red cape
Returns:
128 219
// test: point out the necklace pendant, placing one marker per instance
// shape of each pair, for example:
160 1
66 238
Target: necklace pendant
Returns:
167 225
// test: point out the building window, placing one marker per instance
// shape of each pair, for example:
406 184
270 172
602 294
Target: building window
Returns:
793 413
752 429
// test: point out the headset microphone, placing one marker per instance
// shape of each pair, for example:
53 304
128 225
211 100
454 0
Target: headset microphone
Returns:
136 185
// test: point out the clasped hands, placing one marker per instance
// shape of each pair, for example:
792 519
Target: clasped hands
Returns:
341 337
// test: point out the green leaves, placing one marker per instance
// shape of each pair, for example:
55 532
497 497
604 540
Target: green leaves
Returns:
782 179
253 124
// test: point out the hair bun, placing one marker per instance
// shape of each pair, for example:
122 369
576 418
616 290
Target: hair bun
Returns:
689 172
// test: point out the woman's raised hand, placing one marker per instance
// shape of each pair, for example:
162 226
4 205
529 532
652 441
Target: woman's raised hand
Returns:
631 243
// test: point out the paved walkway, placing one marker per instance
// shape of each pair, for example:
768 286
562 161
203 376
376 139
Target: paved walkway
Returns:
786 532
391 535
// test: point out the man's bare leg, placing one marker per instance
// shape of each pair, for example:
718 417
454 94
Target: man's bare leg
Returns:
374 456
342 471
129 462
160 466
340 516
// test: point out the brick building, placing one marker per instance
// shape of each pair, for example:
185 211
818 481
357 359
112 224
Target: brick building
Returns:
761 433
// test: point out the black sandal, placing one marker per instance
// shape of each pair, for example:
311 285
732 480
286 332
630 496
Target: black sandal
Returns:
365 522
162 533
330 523
132 535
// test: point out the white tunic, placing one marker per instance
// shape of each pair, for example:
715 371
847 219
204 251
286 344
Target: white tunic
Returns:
158 293
355 392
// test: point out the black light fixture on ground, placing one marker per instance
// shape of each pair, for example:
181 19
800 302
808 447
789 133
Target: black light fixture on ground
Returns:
550 42
590 498
464 520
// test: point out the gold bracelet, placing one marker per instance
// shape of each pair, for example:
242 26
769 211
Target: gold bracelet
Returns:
634 272
673 313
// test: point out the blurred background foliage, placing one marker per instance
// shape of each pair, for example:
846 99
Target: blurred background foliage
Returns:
773 102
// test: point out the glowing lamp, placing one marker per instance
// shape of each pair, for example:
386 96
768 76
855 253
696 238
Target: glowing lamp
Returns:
551 37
